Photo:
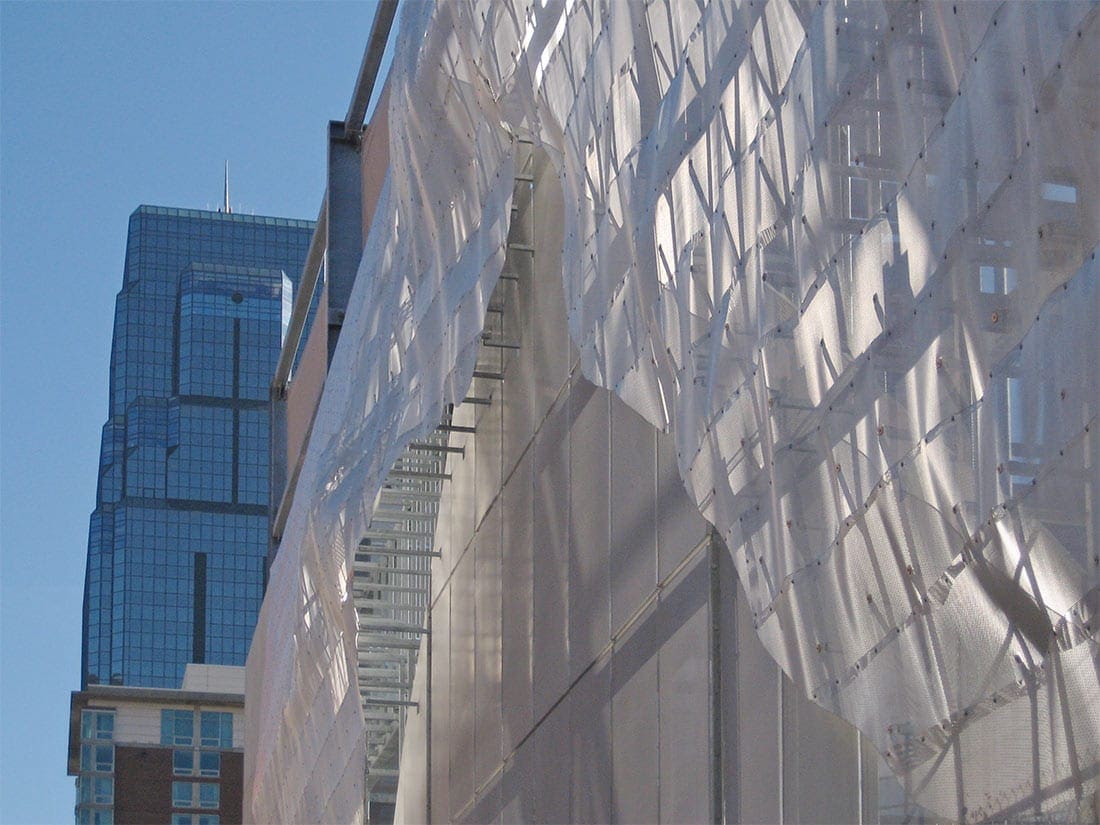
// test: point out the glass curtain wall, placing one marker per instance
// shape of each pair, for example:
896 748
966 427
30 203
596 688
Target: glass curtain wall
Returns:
179 534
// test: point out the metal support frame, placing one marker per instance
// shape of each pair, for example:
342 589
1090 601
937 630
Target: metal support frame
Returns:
395 621
456 428
444 448
368 69
391 578
378 550
390 703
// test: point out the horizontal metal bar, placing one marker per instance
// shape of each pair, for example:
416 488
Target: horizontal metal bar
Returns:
379 657
489 342
521 247
473 399
369 691
441 448
368 670
400 521
371 617
378 568
401 514
421 473
456 428
408 509
395 627
416 490
389 588
368 70
396 686
402 494
416 460
403 521
387 703
377 537
365 623
377 550
397 644
492 376
370 560
382 683
399 535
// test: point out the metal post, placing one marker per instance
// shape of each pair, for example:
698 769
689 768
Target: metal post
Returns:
780 714
717 785
428 718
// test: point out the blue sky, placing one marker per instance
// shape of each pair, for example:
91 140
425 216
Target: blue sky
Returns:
104 107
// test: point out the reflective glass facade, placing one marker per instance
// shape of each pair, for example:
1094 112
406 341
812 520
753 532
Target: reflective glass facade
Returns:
179 534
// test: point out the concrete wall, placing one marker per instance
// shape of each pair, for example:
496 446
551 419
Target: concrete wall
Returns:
213 678
591 659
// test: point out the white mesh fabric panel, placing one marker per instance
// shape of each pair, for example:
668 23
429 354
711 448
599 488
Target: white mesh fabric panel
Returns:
847 252
402 351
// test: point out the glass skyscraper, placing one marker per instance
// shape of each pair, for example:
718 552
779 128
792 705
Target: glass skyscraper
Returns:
178 538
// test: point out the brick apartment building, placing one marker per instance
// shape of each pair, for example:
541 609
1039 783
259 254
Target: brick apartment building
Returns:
146 755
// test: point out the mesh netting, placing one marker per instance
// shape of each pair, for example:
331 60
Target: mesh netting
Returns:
846 252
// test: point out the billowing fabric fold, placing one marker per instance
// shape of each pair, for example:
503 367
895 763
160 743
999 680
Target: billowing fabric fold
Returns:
847 254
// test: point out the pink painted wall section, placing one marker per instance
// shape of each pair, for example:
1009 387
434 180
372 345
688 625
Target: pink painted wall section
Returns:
304 393
374 157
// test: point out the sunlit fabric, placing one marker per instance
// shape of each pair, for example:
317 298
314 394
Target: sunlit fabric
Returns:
846 253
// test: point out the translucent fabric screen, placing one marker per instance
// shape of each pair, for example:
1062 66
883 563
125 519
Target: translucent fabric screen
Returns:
846 253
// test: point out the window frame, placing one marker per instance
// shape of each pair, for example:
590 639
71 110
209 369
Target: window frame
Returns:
199 795
210 789
223 727
90 728
90 792
178 800
90 757
210 772
170 733
178 770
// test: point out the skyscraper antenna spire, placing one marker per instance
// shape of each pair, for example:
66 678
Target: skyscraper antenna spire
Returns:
228 208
